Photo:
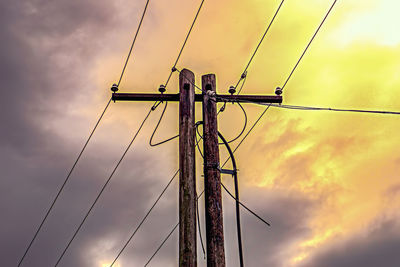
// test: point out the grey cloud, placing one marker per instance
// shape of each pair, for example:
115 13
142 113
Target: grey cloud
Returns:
37 87
377 246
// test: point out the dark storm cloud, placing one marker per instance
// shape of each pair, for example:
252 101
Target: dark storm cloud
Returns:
378 246
46 49
288 214
33 34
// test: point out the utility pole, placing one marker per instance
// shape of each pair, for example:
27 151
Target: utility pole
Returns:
187 179
187 173
212 176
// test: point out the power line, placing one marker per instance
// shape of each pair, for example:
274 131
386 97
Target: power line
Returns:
172 71
244 81
147 214
102 189
244 206
63 185
84 147
238 225
262 39
199 226
269 105
244 126
162 244
308 45
133 43
184 43
167 237
334 109
144 218
155 129
247 134
221 110
195 86
198 140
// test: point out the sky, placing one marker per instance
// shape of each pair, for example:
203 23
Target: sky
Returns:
328 182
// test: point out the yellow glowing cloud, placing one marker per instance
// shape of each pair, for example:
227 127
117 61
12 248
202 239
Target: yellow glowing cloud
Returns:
346 161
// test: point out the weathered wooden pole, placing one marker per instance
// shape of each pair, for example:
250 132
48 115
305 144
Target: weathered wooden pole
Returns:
212 177
187 179
187 173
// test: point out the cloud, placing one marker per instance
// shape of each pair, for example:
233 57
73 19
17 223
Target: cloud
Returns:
317 177
376 246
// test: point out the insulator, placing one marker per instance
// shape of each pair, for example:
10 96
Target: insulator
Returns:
114 88
232 90
161 89
278 91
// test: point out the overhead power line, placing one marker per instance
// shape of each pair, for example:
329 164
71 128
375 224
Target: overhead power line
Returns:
237 146
155 129
308 45
247 134
103 188
199 227
244 206
162 244
167 237
163 87
195 86
63 185
235 178
144 218
335 109
133 43
258 46
221 110
85 145
184 43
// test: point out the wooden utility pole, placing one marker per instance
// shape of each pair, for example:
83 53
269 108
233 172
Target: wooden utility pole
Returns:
187 173
187 180
212 176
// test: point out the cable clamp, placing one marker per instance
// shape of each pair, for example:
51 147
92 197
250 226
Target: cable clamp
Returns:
225 171
223 107
174 69
155 105
211 93
244 75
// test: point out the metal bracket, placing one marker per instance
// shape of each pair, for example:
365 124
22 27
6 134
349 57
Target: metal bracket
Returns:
225 171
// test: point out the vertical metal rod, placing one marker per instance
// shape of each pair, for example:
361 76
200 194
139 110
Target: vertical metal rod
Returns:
212 178
187 174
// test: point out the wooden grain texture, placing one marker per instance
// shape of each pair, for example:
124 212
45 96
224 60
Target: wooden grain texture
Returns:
187 173
212 178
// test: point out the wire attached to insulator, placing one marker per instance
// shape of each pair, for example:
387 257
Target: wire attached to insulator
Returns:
158 124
